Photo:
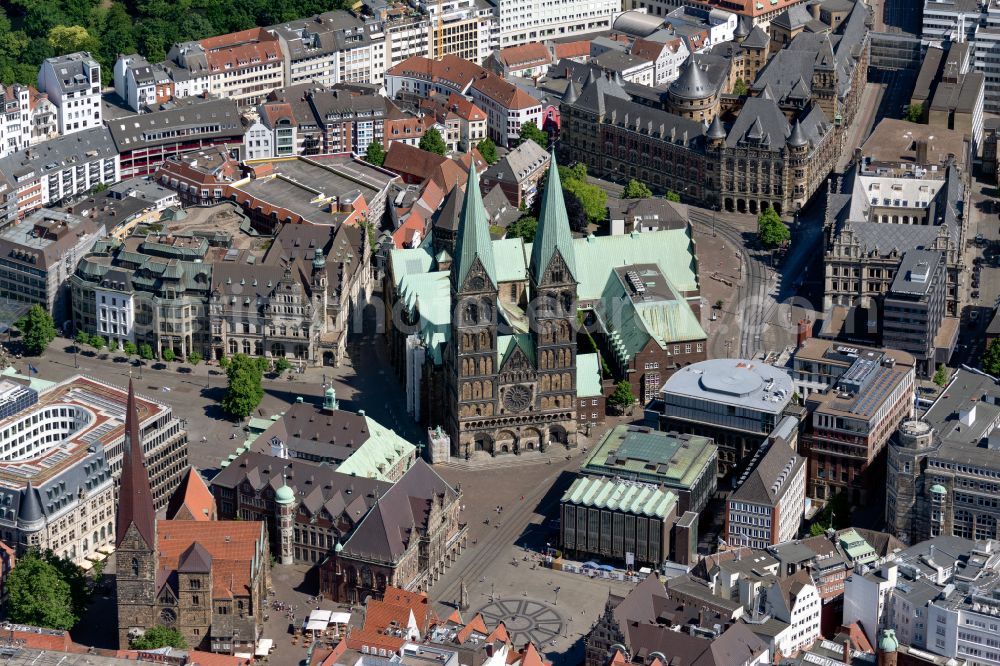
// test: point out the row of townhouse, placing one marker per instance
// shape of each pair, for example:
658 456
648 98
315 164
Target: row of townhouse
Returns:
506 106
325 49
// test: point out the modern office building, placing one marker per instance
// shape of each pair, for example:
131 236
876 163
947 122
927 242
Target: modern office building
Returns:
683 464
736 402
913 311
850 424
40 253
61 450
767 505
45 458
621 521
145 141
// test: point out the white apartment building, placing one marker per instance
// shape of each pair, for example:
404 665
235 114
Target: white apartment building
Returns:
720 24
795 600
273 134
141 84
524 21
42 118
767 506
15 118
330 48
115 309
73 84
56 169
506 106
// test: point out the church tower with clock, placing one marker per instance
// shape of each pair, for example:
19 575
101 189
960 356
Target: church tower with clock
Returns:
512 392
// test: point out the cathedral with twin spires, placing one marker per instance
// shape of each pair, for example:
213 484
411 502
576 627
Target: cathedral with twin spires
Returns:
508 391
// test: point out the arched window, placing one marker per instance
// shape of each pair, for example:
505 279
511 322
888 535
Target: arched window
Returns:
135 567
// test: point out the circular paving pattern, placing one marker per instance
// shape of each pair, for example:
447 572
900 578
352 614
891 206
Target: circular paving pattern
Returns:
525 619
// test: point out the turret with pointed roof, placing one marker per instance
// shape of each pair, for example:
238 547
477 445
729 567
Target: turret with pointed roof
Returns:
135 499
473 245
553 234
135 535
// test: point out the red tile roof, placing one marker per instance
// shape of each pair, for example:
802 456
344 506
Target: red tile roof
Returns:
503 92
747 7
526 55
465 109
232 544
192 500
577 49
403 158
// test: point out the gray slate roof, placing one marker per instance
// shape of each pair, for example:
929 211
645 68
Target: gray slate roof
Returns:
400 513
208 119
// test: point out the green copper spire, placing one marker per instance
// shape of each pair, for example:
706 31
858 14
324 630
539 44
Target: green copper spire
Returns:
473 236
553 228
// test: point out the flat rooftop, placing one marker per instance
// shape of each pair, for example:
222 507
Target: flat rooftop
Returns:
737 382
306 187
632 451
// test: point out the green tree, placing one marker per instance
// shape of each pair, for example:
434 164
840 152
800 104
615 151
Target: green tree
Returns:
529 130
98 342
524 228
146 351
914 113
225 362
593 199
281 365
991 358
130 348
375 154
740 88
38 329
940 375
622 398
69 38
118 35
168 354
82 338
770 229
158 637
194 358
488 150
636 190
39 595
432 142
245 391
835 515
672 196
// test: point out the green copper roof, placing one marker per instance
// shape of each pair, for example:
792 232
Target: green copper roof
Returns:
588 376
888 641
939 489
473 235
507 343
553 227
378 454
856 547
284 495
666 319
617 495
509 256
666 459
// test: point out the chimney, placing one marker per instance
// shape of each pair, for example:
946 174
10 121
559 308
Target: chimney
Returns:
967 416
922 152
847 651
804 332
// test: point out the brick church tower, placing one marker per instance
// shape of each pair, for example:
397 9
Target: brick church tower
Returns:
135 533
